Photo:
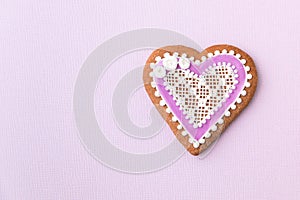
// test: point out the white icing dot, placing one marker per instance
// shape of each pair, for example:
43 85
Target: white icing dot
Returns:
184 63
233 106
247 68
162 103
195 125
170 63
151 74
192 58
197 62
152 65
249 76
247 84
214 128
210 55
238 55
207 134
158 58
224 51
168 110
183 55
175 54
196 144
174 119
203 58
227 113
184 133
243 61
221 121
157 94
202 141
235 71
159 72
153 84
217 52
231 52
239 100
167 54
191 140
179 127
244 93
236 76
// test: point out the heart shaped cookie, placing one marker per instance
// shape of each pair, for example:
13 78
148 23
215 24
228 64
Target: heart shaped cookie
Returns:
199 93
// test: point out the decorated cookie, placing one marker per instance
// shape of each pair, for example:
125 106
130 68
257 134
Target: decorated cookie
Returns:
199 93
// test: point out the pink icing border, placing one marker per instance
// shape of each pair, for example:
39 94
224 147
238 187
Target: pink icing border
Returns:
197 133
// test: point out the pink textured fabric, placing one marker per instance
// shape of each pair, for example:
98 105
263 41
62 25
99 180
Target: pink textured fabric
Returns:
42 47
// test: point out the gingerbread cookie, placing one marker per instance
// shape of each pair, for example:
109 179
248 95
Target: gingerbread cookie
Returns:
199 93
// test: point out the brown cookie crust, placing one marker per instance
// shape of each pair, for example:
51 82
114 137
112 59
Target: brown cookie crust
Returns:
197 55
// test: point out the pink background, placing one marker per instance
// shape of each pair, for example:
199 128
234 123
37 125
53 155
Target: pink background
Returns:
42 47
